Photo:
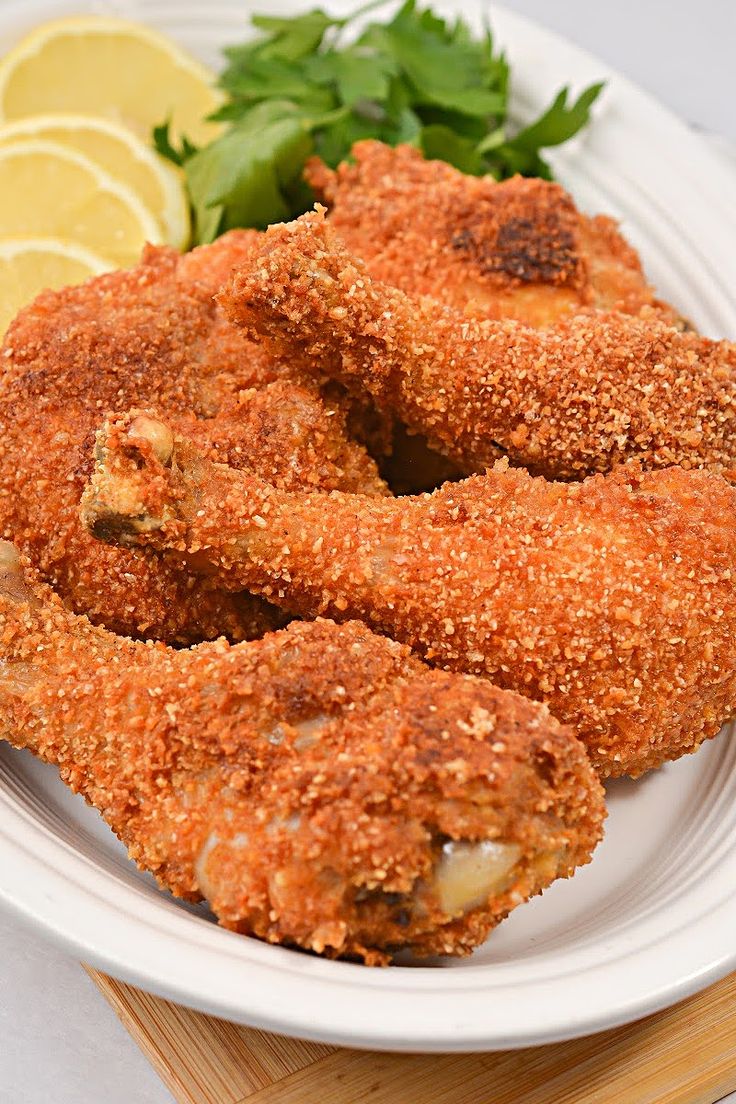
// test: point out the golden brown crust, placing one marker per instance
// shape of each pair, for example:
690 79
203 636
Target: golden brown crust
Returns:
582 396
611 600
210 266
519 249
304 784
152 334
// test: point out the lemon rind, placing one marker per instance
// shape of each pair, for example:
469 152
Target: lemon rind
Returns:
148 222
175 212
11 247
33 42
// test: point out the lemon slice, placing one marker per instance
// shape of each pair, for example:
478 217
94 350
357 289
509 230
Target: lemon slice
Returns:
99 65
50 190
30 265
124 156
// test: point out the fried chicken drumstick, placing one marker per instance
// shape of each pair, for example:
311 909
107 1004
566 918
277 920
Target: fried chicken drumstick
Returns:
519 249
611 600
153 334
579 398
318 787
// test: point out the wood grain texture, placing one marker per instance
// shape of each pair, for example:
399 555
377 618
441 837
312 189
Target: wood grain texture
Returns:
684 1055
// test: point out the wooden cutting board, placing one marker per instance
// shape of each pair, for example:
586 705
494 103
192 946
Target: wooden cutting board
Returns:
684 1055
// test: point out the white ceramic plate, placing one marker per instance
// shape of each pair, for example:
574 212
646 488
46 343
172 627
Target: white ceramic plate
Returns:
654 917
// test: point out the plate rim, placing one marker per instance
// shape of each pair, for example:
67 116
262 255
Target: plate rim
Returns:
277 977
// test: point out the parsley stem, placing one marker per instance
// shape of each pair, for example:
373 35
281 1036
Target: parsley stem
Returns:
363 10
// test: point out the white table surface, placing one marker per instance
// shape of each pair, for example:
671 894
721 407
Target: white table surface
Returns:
59 1041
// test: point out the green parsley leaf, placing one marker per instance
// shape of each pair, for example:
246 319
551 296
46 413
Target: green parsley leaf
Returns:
162 144
443 64
440 143
468 126
355 75
332 142
559 122
243 177
291 39
264 79
555 126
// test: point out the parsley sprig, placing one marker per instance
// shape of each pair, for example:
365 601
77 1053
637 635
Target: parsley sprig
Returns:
301 86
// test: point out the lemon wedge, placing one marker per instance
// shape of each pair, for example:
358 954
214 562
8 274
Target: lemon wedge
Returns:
47 189
100 65
30 265
124 156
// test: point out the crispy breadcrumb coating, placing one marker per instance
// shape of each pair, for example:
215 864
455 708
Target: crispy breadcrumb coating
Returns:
581 397
519 249
152 334
211 266
611 600
319 787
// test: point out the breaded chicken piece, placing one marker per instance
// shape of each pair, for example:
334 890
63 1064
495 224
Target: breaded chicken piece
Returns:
211 265
581 397
319 787
520 249
152 334
611 600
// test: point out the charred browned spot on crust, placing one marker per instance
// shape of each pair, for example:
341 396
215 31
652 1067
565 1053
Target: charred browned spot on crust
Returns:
546 765
82 459
114 529
523 249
